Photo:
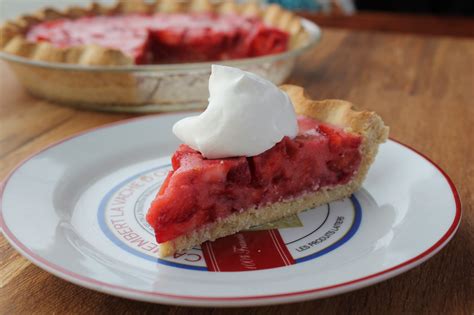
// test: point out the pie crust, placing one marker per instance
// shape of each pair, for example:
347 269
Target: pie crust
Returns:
336 112
13 40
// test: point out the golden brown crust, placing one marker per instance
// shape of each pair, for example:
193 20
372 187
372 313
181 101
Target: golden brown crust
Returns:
251 217
12 33
337 112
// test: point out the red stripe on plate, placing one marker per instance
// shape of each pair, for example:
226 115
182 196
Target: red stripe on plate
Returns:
280 244
247 251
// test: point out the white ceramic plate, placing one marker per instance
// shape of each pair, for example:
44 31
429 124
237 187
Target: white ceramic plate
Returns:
76 210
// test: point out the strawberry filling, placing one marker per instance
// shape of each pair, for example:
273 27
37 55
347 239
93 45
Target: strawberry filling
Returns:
166 38
199 191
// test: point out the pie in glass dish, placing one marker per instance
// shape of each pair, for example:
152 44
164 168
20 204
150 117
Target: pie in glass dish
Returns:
158 32
136 55
205 199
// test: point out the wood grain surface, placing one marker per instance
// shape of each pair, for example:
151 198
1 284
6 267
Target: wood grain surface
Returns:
397 22
423 87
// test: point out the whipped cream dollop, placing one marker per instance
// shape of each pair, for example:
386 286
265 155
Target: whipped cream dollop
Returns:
246 116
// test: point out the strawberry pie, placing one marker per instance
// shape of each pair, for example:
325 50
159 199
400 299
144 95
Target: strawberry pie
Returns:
153 32
298 154
200 191
167 38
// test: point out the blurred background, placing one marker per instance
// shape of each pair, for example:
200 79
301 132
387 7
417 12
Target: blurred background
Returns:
456 7
436 17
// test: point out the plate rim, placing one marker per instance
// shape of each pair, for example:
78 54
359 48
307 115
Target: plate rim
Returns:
265 299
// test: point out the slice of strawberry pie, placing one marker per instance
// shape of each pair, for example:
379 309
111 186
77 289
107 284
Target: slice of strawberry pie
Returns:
250 159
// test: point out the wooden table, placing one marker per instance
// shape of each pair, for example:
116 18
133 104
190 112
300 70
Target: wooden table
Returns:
422 86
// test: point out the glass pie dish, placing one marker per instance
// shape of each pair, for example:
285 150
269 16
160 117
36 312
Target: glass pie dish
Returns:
143 88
